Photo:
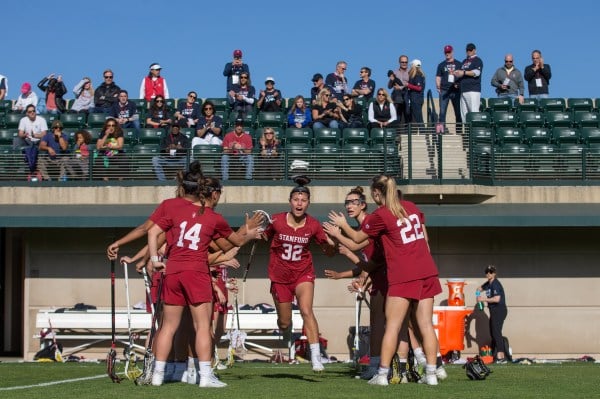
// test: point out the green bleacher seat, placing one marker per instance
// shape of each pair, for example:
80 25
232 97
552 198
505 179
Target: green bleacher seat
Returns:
356 158
482 134
537 135
171 103
327 135
209 156
482 156
529 104
531 119
505 119
479 119
299 156
50 118
184 100
327 157
220 103
73 121
562 135
558 119
512 157
580 104
130 136
96 119
151 135
483 105
355 135
586 119
500 104
298 135
11 120
7 136
553 104
189 132
274 119
6 106
509 135
141 160
379 135
248 119
544 157
570 159
590 135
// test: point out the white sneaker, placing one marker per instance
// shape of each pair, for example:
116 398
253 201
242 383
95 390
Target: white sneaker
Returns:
190 376
211 381
318 367
158 378
221 366
379 379
441 374
429 379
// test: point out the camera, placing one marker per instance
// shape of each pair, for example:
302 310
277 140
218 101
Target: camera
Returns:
396 80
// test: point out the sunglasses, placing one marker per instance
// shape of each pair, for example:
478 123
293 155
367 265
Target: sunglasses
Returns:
192 96
243 77
355 201
57 128
326 95
404 62
31 112
381 94
269 132
346 99
111 125
108 77
508 62
160 101
207 108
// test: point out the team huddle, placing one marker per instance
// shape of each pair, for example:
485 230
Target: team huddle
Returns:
190 246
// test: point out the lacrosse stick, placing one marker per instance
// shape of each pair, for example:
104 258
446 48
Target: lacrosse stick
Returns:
357 309
132 371
57 355
111 358
146 377
262 227
237 338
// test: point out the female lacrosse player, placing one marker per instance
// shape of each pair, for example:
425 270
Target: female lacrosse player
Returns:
189 229
291 269
411 272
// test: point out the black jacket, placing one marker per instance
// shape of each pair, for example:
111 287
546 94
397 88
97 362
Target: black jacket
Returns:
106 95
60 90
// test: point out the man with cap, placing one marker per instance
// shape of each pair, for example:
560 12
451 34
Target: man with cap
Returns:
447 87
53 146
173 152
470 82
234 69
318 85
27 97
237 145
270 98
154 85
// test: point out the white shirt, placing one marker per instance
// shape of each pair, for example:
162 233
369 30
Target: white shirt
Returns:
33 128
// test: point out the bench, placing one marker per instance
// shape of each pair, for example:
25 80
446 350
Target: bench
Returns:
94 326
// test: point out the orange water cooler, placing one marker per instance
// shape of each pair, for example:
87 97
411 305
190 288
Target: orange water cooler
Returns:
449 326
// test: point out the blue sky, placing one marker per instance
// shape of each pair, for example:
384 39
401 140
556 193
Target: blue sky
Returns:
290 41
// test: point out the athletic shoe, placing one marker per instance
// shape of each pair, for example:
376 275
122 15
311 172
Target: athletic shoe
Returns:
211 381
318 367
221 366
190 376
429 379
395 379
441 374
379 379
158 378
502 361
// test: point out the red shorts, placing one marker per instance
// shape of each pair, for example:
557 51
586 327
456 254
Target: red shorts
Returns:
187 288
219 307
417 289
285 292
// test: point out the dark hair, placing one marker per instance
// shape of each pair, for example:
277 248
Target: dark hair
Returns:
124 91
208 103
118 128
189 180
29 106
301 181
358 190
490 269
208 186
368 70
87 136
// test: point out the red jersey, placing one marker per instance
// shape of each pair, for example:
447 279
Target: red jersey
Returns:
189 234
290 256
407 255
375 252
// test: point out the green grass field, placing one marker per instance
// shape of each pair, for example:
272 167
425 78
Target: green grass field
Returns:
265 380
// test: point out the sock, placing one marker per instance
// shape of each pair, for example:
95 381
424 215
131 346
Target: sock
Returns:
420 356
205 368
315 353
430 368
159 366
191 363
383 370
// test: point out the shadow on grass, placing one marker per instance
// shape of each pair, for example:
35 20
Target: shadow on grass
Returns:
293 377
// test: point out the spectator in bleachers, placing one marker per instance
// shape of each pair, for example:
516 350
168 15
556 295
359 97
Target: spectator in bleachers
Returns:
188 111
325 112
337 80
241 97
365 86
269 152
270 99
508 80
234 69
158 113
397 80
25 99
3 87
318 85
447 87
350 112
77 164
538 76
416 91
237 145
111 161
107 94
470 82
84 96
55 89
299 115
173 152
56 146
32 128
153 84
209 128
382 112
125 112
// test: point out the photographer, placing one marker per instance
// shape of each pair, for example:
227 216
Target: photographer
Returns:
55 89
398 82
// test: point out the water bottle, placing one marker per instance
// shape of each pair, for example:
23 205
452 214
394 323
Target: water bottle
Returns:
479 303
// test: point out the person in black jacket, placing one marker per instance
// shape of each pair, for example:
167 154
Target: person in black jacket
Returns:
173 151
106 95
54 89
492 292
538 76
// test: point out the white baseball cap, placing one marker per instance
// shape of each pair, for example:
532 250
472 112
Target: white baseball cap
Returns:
270 78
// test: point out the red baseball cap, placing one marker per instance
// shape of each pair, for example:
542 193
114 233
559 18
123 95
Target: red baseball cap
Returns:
448 49
237 53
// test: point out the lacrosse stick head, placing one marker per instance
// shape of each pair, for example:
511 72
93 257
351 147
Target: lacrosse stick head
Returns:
266 219
132 371
146 377
111 360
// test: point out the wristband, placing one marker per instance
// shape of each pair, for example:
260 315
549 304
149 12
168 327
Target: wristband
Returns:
155 259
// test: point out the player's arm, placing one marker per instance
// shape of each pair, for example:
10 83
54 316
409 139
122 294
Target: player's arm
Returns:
153 246
335 232
112 251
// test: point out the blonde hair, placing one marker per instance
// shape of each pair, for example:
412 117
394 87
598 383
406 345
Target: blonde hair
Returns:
387 186
414 70
320 95
387 95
